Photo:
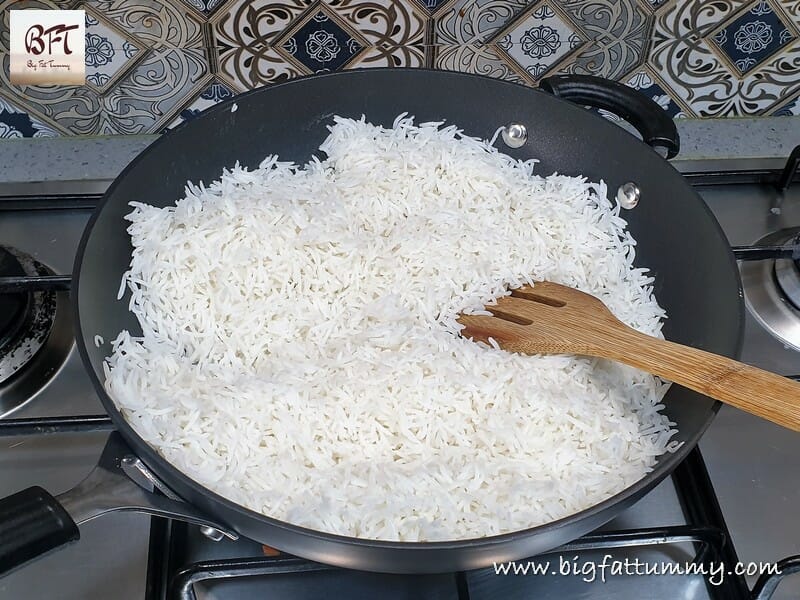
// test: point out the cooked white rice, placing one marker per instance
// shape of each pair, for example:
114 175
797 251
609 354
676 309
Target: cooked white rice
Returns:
299 352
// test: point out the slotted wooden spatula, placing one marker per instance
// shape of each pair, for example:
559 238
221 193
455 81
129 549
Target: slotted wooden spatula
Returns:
549 318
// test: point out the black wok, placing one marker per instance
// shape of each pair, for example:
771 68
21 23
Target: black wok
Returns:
678 238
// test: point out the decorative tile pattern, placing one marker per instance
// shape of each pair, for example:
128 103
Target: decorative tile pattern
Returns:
109 51
791 109
618 33
206 6
152 64
252 25
431 6
6 5
461 31
146 99
141 102
479 59
473 22
538 40
145 60
614 34
155 23
16 123
319 42
393 31
254 37
750 39
685 55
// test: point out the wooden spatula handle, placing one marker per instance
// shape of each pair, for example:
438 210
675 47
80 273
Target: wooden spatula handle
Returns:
759 392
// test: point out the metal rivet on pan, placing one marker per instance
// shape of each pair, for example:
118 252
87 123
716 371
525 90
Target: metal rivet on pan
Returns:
214 535
628 195
515 135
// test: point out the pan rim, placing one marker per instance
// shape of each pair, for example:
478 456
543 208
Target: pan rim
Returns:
661 470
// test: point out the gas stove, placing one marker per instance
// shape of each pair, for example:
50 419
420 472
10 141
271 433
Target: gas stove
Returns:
734 500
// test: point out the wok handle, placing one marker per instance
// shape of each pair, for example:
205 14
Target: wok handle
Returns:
32 523
656 126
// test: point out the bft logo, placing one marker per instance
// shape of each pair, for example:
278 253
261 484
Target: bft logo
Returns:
36 35
48 47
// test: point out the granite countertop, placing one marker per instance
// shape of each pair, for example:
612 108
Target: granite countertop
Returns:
100 159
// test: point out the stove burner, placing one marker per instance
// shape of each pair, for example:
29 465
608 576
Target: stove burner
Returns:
35 333
772 289
14 308
787 273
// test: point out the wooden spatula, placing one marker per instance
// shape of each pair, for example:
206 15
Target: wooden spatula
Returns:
549 318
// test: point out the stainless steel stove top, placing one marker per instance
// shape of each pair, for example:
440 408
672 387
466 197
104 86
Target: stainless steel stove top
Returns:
753 466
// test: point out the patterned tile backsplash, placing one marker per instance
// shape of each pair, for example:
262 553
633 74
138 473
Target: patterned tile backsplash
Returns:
152 64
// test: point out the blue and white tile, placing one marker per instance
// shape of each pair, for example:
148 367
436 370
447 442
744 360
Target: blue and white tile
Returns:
211 96
538 40
694 67
204 6
790 109
109 52
752 37
16 123
431 6
320 43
